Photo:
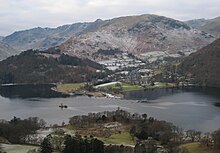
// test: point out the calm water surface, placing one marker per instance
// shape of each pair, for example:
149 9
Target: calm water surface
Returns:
190 109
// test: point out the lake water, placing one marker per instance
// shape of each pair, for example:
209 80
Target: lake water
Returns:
188 108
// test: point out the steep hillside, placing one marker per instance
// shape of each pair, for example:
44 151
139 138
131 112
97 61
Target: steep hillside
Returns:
203 65
211 26
36 67
43 38
6 50
138 35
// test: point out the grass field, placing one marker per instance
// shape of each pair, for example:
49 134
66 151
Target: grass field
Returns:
68 88
9 148
123 86
129 87
195 147
123 138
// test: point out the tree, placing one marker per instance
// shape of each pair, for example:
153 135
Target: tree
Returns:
207 139
151 120
152 83
77 144
17 130
133 131
216 138
72 144
118 85
193 134
57 142
46 146
42 123
8 77
89 87
151 146
144 116
104 118
140 148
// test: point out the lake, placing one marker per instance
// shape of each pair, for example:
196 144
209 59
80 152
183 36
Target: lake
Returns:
195 108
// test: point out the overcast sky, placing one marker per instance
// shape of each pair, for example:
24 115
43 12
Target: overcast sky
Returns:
24 14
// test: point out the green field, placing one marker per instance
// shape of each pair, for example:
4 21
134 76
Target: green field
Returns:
9 148
195 147
123 138
123 86
70 87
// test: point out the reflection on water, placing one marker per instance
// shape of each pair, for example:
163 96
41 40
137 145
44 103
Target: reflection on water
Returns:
29 91
153 94
187 108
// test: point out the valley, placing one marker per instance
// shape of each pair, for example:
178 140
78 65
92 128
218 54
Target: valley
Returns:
131 84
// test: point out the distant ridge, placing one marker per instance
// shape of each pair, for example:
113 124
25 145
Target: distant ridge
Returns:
43 38
211 26
137 35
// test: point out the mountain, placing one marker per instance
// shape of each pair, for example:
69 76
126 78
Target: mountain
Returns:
203 65
138 35
6 50
196 23
211 26
148 37
43 38
42 67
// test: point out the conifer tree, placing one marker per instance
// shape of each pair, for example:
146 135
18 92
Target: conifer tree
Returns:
46 146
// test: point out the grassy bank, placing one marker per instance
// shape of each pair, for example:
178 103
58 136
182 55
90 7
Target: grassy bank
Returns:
109 87
120 138
122 86
70 87
196 147
11 148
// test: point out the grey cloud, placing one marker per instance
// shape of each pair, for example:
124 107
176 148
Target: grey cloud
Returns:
22 14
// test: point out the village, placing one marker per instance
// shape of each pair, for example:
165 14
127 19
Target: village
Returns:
145 71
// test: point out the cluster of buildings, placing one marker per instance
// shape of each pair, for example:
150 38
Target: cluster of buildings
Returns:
137 76
122 62
127 68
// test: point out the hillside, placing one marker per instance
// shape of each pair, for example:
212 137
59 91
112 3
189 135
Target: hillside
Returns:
204 65
6 50
43 38
196 23
211 26
36 67
138 35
